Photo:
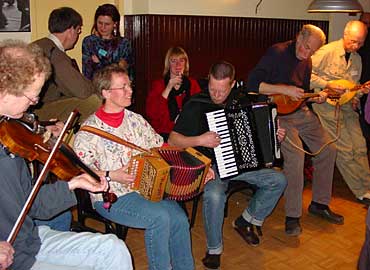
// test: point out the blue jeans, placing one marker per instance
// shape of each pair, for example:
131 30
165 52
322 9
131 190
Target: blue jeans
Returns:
271 185
167 234
60 222
83 251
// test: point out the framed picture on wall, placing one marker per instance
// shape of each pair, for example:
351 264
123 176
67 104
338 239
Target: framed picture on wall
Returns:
15 16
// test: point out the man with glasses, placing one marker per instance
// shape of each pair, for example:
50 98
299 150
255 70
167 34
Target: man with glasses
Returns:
23 71
335 61
67 88
286 69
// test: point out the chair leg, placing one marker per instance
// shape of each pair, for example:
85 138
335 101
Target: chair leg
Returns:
183 206
194 211
121 231
109 227
226 209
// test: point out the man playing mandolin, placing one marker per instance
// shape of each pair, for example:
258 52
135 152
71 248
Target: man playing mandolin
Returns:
337 65
286 69
23 71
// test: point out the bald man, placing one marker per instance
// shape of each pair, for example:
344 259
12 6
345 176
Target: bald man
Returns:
340 60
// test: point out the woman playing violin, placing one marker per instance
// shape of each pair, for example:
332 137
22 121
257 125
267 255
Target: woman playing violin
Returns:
23 71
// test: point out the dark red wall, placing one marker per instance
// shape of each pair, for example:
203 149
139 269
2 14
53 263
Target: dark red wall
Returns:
206 39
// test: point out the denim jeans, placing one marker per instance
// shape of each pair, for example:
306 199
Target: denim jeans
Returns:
71 250
271 185
167 234
60 222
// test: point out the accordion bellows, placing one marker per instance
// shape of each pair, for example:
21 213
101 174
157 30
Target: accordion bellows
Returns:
171 173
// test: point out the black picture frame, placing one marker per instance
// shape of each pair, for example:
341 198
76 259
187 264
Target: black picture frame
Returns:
15 16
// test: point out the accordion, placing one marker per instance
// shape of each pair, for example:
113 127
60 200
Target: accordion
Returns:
172 173
248 138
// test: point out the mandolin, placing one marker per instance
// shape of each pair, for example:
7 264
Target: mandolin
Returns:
351 89
286 105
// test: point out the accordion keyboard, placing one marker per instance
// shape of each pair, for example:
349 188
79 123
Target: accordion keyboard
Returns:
248 138
224 153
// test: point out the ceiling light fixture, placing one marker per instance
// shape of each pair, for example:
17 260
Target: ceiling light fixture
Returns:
346 6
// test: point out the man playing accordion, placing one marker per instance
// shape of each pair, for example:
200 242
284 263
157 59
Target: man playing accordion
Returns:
191 130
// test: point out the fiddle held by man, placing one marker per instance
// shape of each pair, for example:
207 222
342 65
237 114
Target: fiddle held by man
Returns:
23 71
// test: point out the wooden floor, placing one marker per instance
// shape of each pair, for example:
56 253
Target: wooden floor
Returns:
321 245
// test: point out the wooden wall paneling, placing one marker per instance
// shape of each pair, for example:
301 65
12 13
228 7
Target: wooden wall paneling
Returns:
206 39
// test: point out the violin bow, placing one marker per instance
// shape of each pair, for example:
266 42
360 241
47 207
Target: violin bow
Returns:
31 197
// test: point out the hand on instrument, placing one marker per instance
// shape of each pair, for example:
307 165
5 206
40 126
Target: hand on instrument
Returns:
320 99
281 133
355 103
210 176
122 176
87 182
294 92
6 254
364 90
209 139
55 129
337 88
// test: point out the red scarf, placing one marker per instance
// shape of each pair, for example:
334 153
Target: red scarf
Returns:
111 119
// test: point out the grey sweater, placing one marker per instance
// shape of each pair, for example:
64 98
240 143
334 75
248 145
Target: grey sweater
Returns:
15 186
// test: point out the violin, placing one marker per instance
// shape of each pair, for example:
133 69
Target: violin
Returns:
28 138
32 142
57 157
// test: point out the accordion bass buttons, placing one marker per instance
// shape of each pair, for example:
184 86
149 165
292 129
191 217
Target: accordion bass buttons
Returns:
133 168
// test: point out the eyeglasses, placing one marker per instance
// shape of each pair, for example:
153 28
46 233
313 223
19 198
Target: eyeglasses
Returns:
125 87
33 101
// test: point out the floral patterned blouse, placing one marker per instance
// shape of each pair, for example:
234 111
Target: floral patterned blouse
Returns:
108 51
106 155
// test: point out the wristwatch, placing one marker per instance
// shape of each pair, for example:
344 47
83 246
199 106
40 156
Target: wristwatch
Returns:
107 176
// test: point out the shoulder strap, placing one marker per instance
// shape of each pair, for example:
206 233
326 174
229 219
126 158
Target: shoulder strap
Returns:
113 138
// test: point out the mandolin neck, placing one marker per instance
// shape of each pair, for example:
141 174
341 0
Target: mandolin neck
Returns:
360 86
309 95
